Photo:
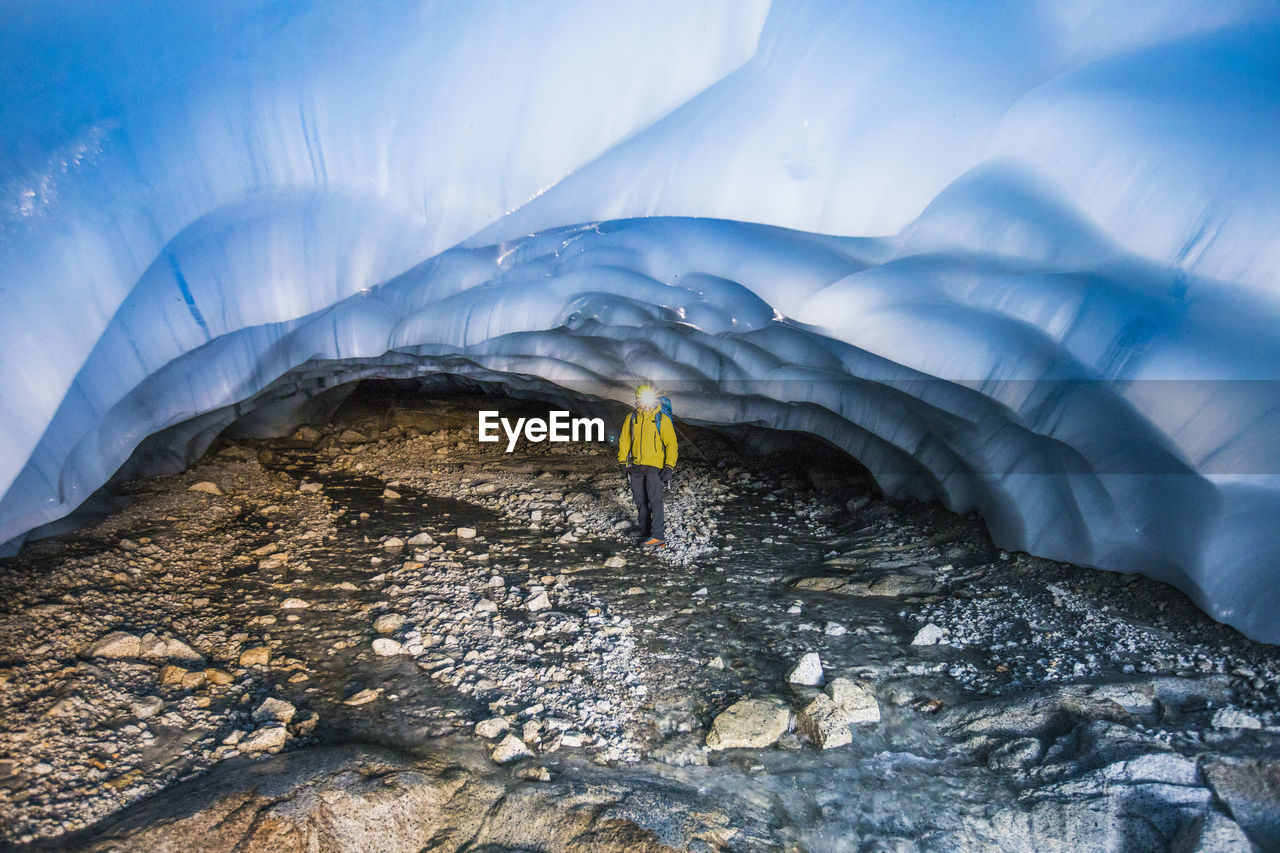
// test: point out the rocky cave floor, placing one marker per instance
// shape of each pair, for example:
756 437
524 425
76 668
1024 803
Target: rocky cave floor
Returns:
384 635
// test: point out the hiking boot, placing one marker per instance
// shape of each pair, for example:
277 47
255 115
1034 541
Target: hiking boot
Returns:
655 542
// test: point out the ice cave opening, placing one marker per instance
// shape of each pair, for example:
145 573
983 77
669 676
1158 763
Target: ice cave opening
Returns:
1080 405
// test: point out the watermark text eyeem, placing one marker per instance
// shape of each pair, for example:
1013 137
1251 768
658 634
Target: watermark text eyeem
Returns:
558 427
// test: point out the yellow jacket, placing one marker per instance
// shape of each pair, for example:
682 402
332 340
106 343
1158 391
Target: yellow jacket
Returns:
646 444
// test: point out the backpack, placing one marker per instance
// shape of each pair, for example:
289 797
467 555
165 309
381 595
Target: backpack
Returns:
664 408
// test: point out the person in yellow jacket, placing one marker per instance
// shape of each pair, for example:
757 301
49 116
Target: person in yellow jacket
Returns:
647 447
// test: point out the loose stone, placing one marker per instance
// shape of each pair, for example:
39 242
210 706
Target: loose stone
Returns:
808 671
749 723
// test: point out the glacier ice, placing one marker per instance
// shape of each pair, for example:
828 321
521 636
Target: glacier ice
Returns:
1018 258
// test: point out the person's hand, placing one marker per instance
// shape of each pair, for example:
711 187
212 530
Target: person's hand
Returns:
626 473
665 476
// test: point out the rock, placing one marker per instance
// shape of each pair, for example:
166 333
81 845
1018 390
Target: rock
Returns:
218 676
274 710
750 724
856 703
173 649
855 504
509 749
309 488
808 671
895 584
614 563
824 724
306 725
422 539
310 435
538 602
67 705
929 635
117 644
393 544
465 533
898 585
1250 790
821 584
388 623
391 495
363 697
350 436
716 662
834 629
1040 713
371 799
534 774
1211 832
206 487
172 675
387 647
266 739
294 604
1017 754
491 727
194 680
146 707
256 656
1231 718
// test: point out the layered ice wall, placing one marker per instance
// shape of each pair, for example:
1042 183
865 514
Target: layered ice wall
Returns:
1020 258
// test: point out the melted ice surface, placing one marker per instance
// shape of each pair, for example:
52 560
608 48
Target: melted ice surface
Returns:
1020 258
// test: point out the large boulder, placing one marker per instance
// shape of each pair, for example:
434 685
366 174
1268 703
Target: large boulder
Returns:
362 798
750 724
823 724
1251 791
856 703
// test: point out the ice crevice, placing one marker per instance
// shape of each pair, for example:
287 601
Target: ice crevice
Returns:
1049 314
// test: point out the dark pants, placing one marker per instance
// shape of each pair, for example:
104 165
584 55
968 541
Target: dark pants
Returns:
646 486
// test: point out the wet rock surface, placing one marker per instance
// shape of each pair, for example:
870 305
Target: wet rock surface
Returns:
486 624
365 798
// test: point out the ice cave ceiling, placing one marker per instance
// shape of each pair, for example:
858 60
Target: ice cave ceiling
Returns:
1022 258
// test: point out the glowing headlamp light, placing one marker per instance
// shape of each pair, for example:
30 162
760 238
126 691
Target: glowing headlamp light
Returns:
648 398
